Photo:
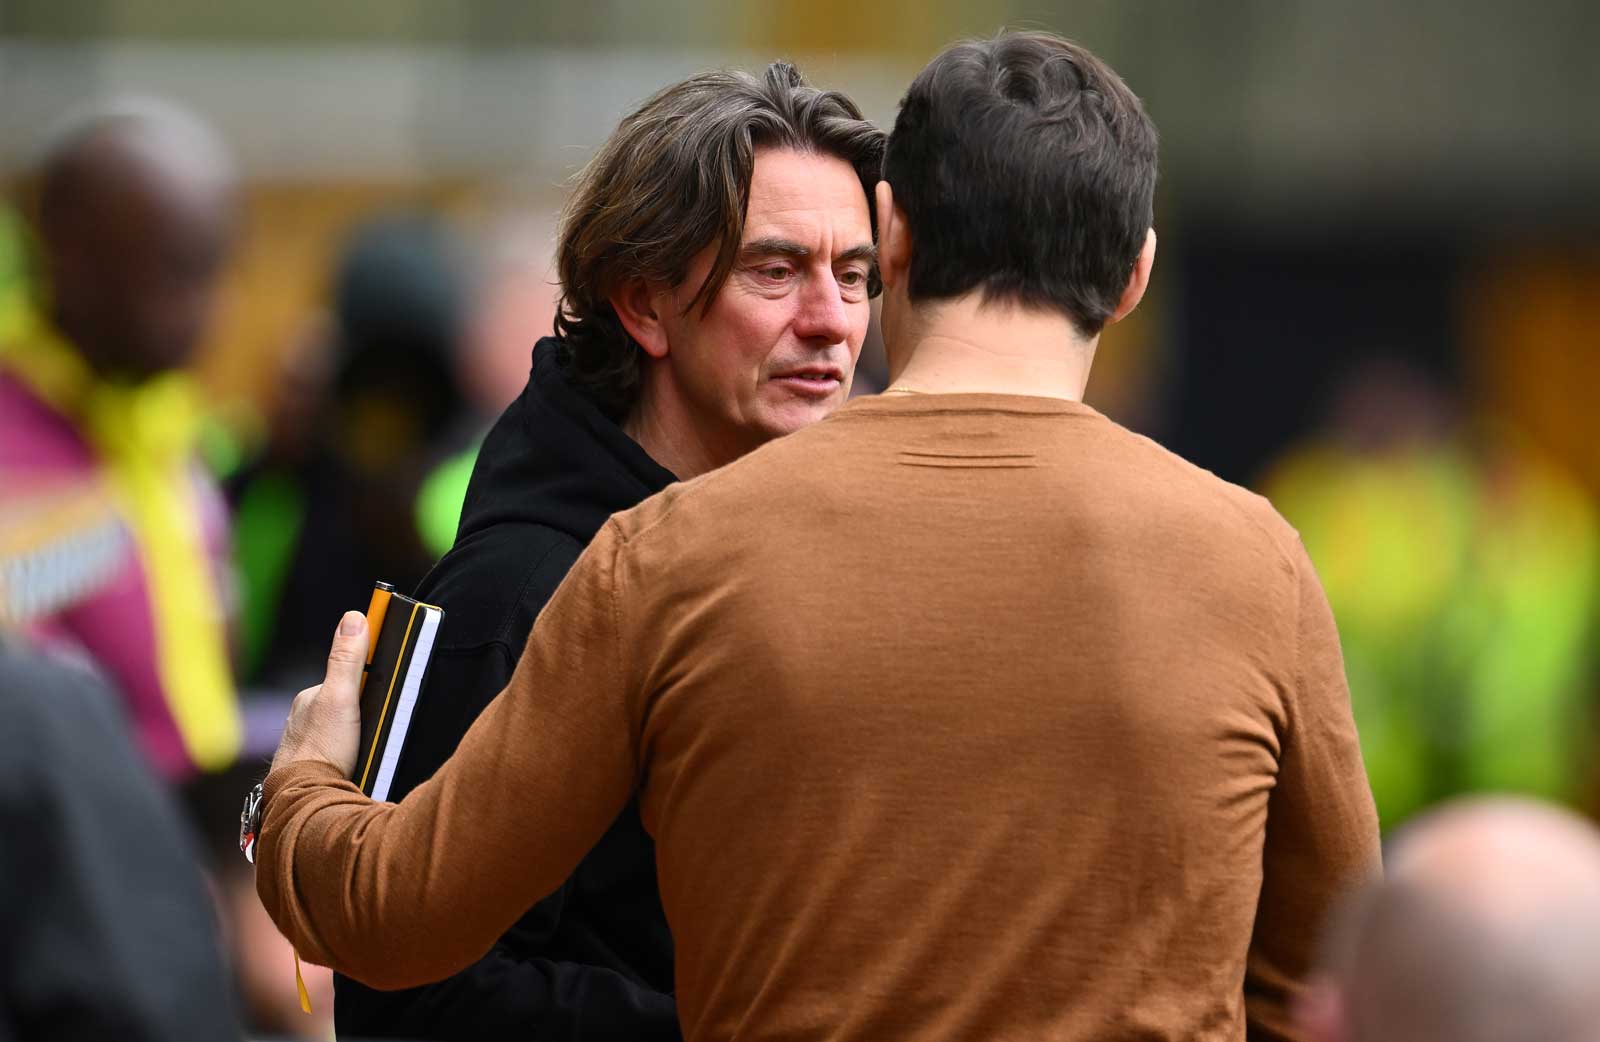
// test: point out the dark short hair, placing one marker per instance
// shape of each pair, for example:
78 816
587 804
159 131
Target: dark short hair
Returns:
674 178
1026 169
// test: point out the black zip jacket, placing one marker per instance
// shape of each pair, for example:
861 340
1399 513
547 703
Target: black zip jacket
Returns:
594 959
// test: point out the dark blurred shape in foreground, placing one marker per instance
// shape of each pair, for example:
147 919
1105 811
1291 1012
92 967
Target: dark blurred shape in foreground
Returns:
108 929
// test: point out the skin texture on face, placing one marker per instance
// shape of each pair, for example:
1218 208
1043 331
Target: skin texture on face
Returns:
777 346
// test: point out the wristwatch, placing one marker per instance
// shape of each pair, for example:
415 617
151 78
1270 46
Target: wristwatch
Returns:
250 823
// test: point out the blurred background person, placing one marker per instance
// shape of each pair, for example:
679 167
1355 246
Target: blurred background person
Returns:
1463 566
1487 929
370 403
132 220
109 929
512 293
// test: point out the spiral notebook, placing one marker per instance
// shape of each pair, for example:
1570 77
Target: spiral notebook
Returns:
397 668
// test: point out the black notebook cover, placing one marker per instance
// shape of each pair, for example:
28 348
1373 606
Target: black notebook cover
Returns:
400 656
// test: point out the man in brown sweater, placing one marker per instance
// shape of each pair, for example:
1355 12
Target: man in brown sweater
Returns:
963 714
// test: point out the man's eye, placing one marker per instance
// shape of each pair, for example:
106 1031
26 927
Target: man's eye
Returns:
777 273
853 278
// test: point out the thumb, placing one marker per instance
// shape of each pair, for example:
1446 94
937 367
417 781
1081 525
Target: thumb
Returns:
348 654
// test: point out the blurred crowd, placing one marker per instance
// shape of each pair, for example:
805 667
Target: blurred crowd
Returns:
171 570
193 568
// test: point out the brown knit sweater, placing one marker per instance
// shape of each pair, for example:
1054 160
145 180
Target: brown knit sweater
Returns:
954 717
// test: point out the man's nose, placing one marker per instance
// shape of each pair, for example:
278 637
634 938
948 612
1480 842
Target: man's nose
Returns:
822 315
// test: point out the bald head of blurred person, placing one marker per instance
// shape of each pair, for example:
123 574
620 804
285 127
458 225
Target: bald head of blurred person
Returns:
135 214
1487 928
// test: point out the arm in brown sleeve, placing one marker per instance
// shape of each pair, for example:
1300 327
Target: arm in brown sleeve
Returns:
1322 827
399 895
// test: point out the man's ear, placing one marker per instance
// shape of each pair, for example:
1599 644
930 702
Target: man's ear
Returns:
639 305
1133 292
894 238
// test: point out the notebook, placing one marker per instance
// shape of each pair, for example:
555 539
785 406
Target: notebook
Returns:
397 666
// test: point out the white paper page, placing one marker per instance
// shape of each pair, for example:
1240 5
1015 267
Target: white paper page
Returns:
408 701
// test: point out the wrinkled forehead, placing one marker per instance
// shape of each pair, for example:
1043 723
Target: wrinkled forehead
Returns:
812 198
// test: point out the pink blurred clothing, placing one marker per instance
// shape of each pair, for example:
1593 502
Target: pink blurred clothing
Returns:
114 627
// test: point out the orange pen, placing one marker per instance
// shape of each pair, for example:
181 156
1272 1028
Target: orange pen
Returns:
377 608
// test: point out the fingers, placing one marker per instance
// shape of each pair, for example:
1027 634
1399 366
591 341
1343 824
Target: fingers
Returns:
348 654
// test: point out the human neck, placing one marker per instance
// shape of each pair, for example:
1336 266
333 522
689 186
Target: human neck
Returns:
966 346
662 427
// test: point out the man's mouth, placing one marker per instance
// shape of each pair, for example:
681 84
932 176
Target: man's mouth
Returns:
811 381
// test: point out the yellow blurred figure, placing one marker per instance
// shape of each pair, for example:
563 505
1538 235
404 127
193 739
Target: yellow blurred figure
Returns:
1462 568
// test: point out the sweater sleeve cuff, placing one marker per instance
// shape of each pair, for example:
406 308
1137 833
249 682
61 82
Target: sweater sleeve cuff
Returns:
301 772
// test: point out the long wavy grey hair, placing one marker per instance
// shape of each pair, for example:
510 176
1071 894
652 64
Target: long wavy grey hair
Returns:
673 179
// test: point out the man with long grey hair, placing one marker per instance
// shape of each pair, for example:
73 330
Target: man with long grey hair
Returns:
716 260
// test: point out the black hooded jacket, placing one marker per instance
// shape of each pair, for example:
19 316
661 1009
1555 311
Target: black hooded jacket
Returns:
594 959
